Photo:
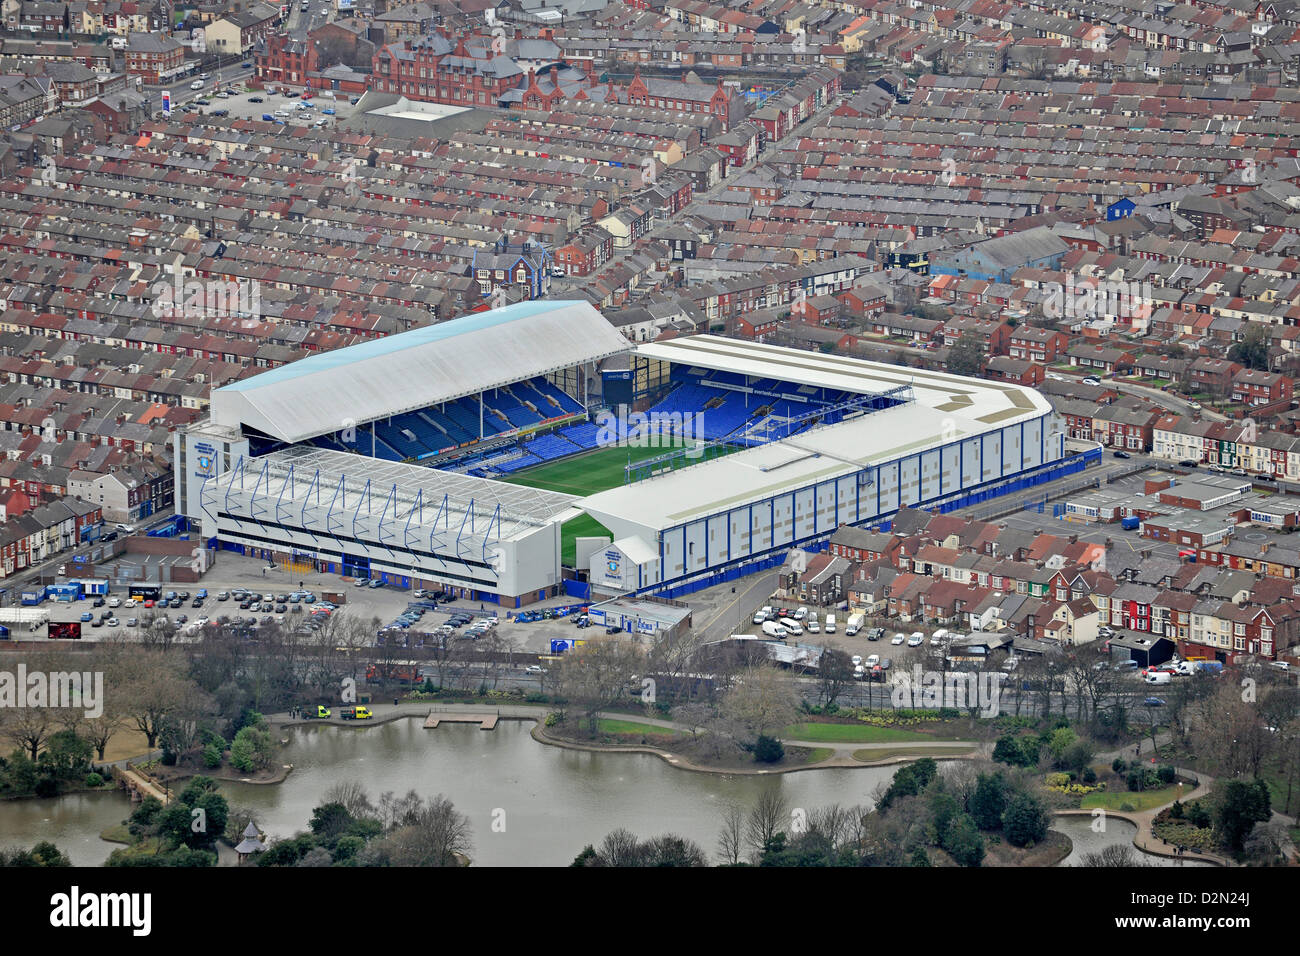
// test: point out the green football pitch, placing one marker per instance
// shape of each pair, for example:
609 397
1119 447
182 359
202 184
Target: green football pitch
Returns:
586 474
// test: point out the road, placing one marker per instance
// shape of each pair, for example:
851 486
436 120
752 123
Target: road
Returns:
1166 400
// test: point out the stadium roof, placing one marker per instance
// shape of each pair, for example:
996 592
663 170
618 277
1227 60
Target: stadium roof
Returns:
984 401
416 369
946 408
522 509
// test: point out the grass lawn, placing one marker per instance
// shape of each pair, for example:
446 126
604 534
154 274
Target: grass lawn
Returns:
849 734
586 474
818 754
1146 800
607 725
893 753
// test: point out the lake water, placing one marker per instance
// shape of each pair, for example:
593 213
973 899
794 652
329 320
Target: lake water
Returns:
528 804
1079 830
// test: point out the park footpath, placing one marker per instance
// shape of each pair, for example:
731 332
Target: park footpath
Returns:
1145 838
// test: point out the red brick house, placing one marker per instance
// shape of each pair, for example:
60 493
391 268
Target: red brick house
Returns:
1256 388
1037 345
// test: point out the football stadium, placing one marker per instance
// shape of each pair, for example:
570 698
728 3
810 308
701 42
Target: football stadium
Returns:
528 451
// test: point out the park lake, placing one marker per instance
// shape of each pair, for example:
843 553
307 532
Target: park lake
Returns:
528 804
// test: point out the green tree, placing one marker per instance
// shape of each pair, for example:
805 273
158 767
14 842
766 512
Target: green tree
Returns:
989 801
251 750
909 781
329 821
963 841
66 754
1025 820
1241 806
768 749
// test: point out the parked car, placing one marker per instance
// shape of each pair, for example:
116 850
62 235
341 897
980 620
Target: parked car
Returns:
1188 463
1153 702
897 639
1121 454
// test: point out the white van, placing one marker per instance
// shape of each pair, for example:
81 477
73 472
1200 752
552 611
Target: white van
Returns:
791 626
196 85
1158 677
830 623
773 629
854 625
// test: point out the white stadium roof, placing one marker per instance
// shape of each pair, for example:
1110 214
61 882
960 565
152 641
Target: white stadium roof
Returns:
946 408
412 370
990 403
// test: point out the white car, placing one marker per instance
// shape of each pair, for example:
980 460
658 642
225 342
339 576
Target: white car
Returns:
916 639
111 622
857 660
759 617
897 639
130 602
196 85
114 602
938 637
873 660
534 669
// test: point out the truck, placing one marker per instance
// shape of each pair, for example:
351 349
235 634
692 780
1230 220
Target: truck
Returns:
1188 668
854 624
355 713
774 630
315 712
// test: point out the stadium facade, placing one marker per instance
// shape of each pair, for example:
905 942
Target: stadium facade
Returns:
383 459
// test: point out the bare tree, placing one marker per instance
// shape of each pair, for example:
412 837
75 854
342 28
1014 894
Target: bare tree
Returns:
834 673
154 689
352 795
767 818
431 833
762 700
596 676
731 838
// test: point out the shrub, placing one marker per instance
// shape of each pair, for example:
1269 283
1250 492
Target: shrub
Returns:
94 780
47 786
768 749
211 756
1089 776
1165 773
1119 765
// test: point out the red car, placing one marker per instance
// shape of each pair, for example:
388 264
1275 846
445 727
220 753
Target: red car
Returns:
148 603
